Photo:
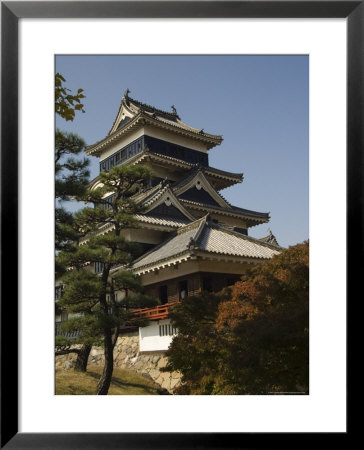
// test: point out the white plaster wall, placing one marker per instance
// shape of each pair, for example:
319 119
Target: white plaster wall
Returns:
170 136
149 339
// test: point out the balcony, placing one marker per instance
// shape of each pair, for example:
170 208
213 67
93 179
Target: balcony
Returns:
156 313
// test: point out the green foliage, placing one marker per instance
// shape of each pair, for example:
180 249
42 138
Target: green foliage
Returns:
253 337
66 103
93 297
71 173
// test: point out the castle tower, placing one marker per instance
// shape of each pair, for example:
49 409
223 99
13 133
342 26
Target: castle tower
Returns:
193 238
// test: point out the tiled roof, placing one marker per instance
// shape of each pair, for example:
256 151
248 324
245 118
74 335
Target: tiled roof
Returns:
210 239
176 223
220 241
229 177
170 118
172 247
234 210
198 170
140 114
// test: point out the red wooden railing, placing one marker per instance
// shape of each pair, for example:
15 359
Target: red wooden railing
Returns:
156 313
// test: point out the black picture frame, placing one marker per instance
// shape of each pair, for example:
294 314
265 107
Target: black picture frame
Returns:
11 12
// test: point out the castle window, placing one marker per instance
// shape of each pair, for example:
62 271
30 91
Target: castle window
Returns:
167 330
59 291
183 289
163 294
99 267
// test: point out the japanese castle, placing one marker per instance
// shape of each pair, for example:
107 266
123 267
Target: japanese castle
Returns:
193 238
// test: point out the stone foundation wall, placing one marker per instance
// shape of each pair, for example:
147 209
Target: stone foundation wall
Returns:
127 356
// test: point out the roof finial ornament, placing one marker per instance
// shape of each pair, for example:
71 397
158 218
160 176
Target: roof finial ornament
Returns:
201 131
174 109
126 93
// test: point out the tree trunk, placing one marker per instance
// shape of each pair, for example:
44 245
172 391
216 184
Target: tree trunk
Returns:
105 380
82 358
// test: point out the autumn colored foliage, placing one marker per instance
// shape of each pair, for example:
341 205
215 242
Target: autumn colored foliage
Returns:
251 338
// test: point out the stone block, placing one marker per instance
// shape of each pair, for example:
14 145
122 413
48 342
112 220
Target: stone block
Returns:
162 362
69 364
174 382
154 373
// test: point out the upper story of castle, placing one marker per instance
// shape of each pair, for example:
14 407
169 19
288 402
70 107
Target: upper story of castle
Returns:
141 132
184 186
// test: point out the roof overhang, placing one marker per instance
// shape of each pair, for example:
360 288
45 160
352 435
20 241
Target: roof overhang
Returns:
141 120
195 255
225 212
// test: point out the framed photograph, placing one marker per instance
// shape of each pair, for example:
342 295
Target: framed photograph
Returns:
41 38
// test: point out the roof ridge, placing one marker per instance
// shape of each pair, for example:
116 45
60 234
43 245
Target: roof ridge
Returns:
147 192
255 215
270 239
185 180
205 222
157 247
198 169
191 225
155 195
242 236
180 231
145 105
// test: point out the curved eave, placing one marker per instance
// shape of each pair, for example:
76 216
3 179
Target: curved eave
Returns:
254 220
143 225
193 255
133 107
221 179
141 120
102 145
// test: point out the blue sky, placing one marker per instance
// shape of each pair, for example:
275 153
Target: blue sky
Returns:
260 105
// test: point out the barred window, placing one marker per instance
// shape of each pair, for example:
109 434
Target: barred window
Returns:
99 267
167 330
59 291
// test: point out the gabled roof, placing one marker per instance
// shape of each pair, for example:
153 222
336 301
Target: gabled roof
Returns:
133 114
196 182
130 107
176 193
253 217
271 239
224 178
164 196
205 239
161 221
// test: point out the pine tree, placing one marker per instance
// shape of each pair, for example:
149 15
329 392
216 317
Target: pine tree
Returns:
94 296
70 183
71 178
